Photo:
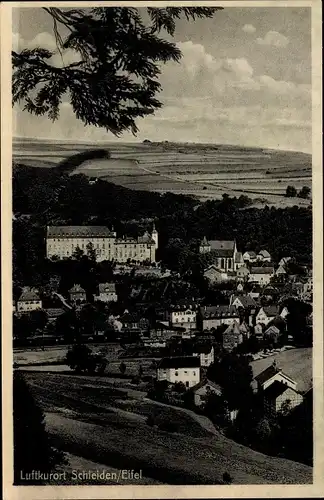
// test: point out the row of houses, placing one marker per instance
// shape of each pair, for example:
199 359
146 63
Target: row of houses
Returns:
272 384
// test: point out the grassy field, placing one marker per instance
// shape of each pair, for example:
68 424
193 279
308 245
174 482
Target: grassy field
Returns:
205 171
85 419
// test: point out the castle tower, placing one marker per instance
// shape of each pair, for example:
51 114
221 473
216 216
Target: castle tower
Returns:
155 236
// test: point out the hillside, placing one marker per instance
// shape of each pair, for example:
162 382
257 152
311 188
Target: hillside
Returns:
203 170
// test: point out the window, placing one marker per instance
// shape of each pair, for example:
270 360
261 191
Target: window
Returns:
194 374
185 371
187 384
176 374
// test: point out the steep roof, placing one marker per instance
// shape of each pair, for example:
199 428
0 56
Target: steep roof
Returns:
77 289
107 287
222 248
79 232
180 362
146 238
281 270
275 390
204 242
264 253
267 374
28 295
251 254
200 384
238 257
234 328
271 310
246 300
272 329
262 270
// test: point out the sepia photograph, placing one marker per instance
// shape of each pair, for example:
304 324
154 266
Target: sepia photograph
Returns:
162 245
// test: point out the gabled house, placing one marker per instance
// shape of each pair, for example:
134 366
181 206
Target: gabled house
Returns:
130 321
270 375
266 314
277 395
258 331
184 316
232 336
264 256
205 351
245 301
29 300
77 294
261 275
281 272
107 292
242 273
213 316
249 256
203 390
53 313
215 275
284 261
185 369
272 333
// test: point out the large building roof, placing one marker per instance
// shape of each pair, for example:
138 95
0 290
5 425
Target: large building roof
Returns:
79 232
262 270
222 248
220 311
180 362
107 288
28 295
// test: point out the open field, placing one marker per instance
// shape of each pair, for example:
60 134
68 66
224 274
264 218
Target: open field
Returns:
89 419
205 171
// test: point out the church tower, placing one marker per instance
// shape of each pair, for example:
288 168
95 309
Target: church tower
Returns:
155 236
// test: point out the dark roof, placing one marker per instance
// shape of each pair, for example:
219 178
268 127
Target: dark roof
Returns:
238 257
28 295
54 312
220 311
268 373
234 328
262 270
146 238
180 362
107 287
275 389
271 310
206 382
77 289
202 348
79 232
251 254
264 253
246 300
222 248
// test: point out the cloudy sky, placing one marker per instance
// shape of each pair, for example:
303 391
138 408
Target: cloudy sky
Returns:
245 78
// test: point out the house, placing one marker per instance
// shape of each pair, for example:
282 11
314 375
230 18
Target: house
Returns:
224 252
284 312
258 331
130 321
261 275
270 375
202 390
277 395
266 314
244 329
29 300
272 333
184 316
284 261
245 301
232 336
185 369
242 273
249 256
281 272
255 292
264 256
62 241
213 316
215 275
107 293
205 351
77 294
240 288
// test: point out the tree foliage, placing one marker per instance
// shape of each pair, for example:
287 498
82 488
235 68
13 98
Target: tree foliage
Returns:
33 450
118 57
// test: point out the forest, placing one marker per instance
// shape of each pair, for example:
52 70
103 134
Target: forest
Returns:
44 197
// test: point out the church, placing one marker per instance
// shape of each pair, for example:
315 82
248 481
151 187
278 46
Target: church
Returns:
226 256
63 241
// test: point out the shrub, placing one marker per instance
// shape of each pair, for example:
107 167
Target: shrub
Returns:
168 426
150 421
227 478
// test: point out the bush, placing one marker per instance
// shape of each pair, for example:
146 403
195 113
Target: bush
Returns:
168 426
150 421
227 478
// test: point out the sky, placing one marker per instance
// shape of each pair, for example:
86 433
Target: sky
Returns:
244 78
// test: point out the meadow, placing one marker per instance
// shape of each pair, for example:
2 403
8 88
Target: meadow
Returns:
202 170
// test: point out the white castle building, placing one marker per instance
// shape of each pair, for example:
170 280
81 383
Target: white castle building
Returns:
62 242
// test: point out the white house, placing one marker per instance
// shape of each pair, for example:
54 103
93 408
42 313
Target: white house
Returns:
249 256
214 316
270 375
215 275
264 256
185 317
266 314
107 292
205 352
242 273
29 300
281 271
261 275
276 395
185 369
